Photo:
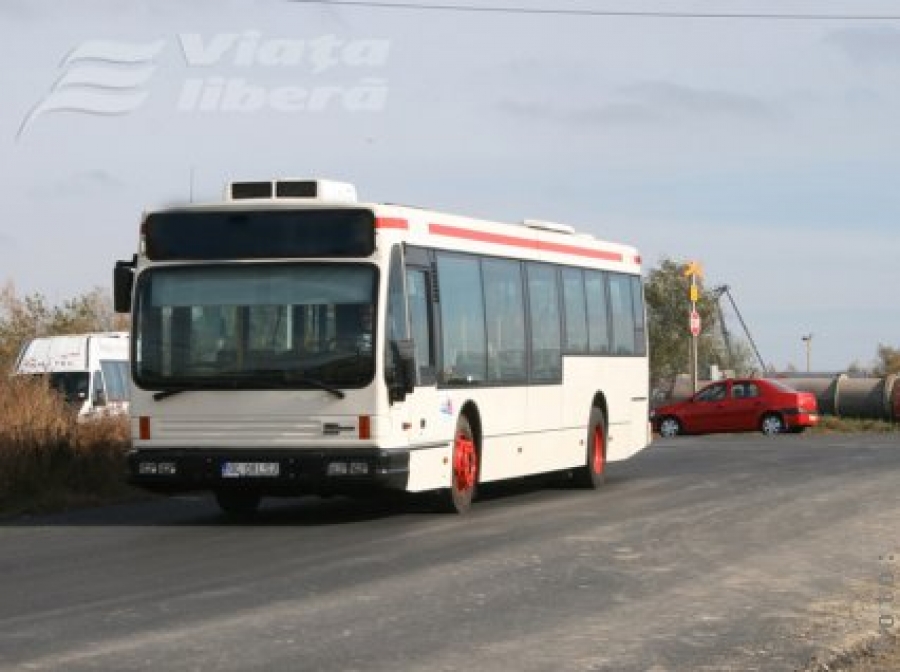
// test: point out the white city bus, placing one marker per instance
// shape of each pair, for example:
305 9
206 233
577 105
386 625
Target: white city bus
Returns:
292 340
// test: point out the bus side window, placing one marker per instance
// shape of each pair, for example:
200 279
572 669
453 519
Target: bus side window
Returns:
463 339
546 332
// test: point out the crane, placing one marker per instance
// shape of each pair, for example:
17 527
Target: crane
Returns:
718 292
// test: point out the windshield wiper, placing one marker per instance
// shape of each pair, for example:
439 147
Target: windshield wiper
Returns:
290 378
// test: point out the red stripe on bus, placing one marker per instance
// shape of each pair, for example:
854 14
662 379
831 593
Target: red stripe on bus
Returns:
500 239
391 223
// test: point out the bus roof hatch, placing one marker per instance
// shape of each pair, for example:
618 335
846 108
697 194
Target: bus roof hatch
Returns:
318 190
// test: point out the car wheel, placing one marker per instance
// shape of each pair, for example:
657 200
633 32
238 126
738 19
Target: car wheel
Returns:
669 426
771 424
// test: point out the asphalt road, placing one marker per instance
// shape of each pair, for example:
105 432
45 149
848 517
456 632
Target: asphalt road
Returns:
713 553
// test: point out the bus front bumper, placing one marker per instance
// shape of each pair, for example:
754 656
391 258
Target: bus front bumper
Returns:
269 472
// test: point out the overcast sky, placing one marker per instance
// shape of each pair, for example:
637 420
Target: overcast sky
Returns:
766 149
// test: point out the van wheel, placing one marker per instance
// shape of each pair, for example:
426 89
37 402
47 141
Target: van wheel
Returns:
464 466
593 473
237 502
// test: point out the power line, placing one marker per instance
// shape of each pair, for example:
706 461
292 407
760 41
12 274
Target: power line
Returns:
548 11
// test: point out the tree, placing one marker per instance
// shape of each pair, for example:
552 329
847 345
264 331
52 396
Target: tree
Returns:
888 361
668 308
24 318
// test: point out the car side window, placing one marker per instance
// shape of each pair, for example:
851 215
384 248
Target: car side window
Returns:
713 393
744 390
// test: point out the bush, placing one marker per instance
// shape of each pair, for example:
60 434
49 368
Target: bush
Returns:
47 459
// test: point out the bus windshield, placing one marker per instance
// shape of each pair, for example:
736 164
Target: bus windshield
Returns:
255 326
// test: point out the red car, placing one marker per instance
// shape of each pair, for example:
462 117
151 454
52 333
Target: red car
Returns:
742 405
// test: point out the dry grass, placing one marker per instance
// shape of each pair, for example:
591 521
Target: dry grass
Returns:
47 459
830 424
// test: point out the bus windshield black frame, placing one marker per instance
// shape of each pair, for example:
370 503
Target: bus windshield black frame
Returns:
259 233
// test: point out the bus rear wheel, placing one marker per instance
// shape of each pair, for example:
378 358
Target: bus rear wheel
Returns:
464 470
593 473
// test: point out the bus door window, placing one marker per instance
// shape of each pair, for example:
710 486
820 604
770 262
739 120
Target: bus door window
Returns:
420 323
397 326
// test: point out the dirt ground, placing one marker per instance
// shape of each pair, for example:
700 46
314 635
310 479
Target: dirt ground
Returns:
880 656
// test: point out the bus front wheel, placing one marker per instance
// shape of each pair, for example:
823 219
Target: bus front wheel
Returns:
464 470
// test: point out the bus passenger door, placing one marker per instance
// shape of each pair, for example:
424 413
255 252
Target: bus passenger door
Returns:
414 419
423 401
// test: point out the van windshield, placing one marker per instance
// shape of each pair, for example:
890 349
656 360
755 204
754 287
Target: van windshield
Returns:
255 326
73 385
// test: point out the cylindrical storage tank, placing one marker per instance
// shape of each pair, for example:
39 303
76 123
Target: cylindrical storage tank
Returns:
863 398
825 390
892 388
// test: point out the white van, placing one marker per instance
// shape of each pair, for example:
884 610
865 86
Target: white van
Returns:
90 370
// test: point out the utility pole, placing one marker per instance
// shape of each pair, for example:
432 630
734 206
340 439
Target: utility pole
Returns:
726 290
693 271
808 340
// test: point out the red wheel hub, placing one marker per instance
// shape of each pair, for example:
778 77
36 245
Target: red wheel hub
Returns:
465 463
598 451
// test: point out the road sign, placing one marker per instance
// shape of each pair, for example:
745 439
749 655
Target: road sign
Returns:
693 269
695 323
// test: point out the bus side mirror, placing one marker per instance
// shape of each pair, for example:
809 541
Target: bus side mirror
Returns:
404 367
123 282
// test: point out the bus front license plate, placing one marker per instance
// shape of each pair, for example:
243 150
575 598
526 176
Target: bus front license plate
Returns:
250 469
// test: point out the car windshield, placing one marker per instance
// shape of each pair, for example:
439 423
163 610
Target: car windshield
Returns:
255 326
